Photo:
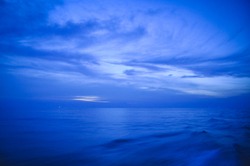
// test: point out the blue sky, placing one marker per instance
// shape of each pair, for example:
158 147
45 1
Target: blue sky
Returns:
106 51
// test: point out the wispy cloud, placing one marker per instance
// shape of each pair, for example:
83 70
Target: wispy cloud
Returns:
150 46
221 86
170 31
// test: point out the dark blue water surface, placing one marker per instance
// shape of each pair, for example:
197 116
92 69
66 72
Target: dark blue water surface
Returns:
124 136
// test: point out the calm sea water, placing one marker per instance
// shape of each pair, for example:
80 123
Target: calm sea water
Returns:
124 136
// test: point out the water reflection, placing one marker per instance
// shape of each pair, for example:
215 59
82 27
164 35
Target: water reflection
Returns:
125 137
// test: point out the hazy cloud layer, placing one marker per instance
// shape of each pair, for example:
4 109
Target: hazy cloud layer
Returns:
149 46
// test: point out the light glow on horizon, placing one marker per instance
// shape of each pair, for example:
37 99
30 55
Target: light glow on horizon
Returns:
90 99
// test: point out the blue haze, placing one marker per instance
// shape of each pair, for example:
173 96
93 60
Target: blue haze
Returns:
91 82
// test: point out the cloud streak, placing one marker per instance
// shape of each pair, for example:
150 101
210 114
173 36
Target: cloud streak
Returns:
149 46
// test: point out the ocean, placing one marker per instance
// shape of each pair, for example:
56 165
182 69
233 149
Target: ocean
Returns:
124 137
